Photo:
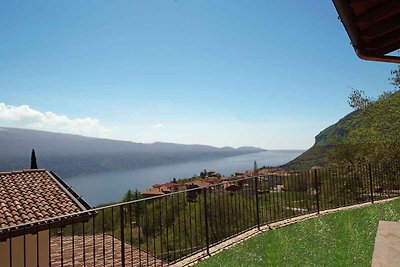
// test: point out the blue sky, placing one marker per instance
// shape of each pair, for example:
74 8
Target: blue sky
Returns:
226 73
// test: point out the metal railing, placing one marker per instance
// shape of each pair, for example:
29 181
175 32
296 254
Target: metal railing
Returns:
161 230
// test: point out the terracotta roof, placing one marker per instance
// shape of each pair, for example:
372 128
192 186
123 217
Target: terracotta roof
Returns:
373 27
232 187
30 196
169 185
153 192
132 254
199 183
213 180
165 189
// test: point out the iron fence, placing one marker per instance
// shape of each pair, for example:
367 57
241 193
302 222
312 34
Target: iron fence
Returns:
161 230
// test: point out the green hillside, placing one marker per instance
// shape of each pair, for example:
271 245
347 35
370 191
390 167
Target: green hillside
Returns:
370 133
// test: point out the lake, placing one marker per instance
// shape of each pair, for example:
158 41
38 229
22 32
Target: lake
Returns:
108 187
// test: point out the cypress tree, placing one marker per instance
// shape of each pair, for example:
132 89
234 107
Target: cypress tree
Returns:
33 160
255 168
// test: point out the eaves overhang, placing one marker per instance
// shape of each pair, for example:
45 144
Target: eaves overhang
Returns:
373 27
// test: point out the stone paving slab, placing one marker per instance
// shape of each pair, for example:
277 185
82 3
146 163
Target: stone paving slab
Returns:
387 245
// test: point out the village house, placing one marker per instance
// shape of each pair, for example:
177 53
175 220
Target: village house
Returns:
173 187
213 174
275 177
153 192
214 180
29 202
198 183
231 187
162 189
35 202
239 175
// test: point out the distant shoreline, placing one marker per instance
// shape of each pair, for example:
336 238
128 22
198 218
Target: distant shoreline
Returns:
108 187
184 162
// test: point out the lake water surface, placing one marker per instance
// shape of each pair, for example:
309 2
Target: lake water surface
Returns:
111 186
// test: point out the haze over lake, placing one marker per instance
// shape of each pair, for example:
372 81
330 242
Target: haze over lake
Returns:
111 186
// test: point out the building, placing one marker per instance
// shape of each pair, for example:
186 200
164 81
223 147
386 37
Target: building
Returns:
279 188
198 183
231 187
30 200
214 180
162 189
174 187
213 174
153 192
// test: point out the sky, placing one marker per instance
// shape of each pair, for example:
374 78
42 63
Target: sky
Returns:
271 74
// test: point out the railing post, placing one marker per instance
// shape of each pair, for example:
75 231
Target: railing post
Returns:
206 219
316 188
370 182
257 204
122 236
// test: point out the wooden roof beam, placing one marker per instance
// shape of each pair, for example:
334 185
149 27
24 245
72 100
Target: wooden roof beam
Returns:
382 28
387 49
378 14
354 2
387 39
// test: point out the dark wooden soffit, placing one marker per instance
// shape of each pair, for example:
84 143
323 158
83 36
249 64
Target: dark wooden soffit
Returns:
373 27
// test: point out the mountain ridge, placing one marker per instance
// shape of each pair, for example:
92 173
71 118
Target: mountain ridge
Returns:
368 134
72 155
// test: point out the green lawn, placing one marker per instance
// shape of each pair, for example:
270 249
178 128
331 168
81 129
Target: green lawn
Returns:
345 238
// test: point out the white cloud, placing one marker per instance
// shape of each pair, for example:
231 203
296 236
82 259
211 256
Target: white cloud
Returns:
157 126
25 117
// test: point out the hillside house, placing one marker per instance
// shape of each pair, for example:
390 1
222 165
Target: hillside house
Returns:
239 175
198 183
213 174
230 187
29 202
153 192
162 189
214 180
174 187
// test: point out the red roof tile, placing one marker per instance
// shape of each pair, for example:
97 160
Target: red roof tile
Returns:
213 180
152 192
82 253
35 195
170 185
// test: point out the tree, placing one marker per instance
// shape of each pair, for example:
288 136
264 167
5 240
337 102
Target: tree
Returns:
129 196
373 132
203 174
358 99
395 80
33 160
255 168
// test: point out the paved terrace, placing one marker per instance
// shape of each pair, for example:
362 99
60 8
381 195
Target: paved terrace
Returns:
387 245
75 255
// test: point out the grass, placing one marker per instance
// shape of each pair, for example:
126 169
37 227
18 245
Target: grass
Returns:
344 238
